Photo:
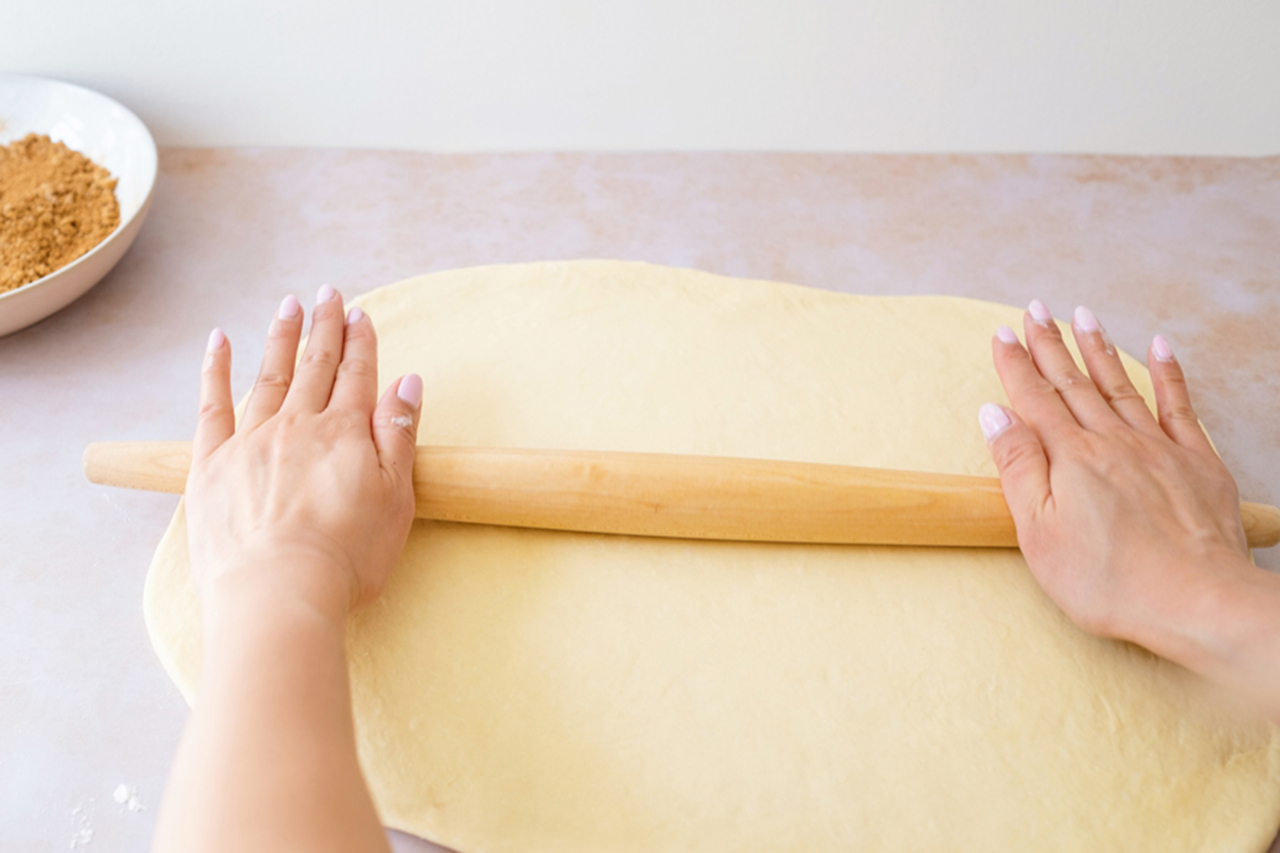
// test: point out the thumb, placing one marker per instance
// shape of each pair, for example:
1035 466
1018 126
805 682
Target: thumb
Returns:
1021 460
395 427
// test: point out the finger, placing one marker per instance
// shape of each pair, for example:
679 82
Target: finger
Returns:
1173 402
356 387
1030 394
1054 361
313 379
217 420
276 373
1108 373
1021 460
395 427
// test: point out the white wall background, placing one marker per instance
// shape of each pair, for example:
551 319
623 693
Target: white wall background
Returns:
1133 76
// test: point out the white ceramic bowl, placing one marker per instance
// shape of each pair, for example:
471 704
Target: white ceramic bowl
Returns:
109 135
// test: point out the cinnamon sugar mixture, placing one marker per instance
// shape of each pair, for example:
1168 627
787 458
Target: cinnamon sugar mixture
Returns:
55 205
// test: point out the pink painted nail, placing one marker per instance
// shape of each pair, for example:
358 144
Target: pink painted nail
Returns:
325 293
410 390
993 420
1039 313
1006 335
1085 320
289 308
355 315
1160 347
216 340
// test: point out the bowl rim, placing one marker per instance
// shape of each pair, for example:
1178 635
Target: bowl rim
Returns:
151 143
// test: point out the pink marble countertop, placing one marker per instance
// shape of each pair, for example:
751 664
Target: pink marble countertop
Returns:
1187 247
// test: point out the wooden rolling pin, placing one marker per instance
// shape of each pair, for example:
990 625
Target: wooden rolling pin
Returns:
687 497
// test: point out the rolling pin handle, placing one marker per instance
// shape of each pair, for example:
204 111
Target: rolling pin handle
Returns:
156 466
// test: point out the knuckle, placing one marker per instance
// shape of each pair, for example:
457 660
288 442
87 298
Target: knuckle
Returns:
358 368
1176 385
343 421
1048 330
319 357
1016 452
1223 484
211 408
272 380
1179 413
1098 451
1042 390
1071 381
286 424
1122 394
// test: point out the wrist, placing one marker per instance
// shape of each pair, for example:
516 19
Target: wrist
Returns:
273 588
1205 624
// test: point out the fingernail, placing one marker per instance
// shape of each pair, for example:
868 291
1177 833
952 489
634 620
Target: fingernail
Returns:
1085 321
1160 347
410 389
1006 335
325 293
993 420
216 340
289 308
355 315
1039 313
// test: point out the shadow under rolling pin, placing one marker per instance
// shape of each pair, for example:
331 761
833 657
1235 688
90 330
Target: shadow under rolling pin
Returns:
673 496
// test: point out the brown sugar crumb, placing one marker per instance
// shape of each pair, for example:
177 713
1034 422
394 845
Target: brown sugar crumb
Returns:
55 205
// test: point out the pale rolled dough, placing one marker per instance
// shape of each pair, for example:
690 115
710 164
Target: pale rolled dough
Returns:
536 691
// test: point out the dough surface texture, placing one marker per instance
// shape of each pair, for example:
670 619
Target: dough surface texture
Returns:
536 691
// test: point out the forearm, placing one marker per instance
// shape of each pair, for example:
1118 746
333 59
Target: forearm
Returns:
1228 631
268 760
